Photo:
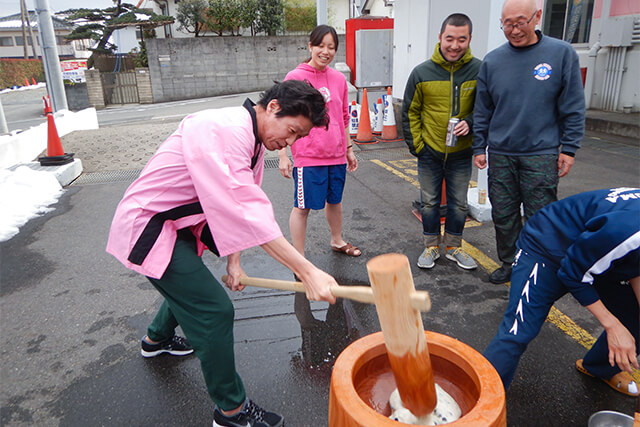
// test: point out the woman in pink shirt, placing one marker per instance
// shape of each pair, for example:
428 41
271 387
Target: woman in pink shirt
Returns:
320 160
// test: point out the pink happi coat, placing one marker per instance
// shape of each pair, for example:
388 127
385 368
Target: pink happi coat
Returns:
201 177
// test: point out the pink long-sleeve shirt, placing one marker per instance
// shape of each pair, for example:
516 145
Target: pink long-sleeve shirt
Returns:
201 177
324 147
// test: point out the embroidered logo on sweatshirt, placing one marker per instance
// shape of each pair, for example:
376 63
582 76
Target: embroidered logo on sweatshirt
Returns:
326 94
542 71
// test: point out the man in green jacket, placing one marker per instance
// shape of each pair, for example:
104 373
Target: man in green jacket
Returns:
437 90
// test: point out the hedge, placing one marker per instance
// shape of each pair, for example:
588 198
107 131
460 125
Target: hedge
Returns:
13 71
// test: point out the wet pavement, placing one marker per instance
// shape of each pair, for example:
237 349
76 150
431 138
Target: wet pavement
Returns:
72 316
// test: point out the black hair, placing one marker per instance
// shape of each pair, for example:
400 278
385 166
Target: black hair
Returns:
318 33
297 98
457 20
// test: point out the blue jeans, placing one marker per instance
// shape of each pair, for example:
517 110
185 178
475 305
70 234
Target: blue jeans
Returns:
535 287
456 174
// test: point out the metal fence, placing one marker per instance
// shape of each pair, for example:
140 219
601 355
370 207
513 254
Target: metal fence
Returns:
120 88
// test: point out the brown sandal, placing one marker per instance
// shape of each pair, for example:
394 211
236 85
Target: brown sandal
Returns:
619 382
348 249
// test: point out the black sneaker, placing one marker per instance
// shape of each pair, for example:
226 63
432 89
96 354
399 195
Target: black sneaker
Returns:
177 346
501 275
251 415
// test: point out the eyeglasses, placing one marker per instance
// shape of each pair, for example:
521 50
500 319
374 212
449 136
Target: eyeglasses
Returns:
510 27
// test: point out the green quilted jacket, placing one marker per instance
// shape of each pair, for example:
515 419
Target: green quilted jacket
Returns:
436 91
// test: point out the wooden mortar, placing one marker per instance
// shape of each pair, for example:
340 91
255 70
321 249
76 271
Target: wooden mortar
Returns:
362 381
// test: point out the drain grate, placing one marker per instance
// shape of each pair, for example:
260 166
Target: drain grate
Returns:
106 177
385 154
270 163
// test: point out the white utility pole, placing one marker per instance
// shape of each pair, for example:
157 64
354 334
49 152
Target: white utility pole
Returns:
50 58
321 12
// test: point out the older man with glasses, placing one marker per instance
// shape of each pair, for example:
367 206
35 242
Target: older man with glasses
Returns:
529 112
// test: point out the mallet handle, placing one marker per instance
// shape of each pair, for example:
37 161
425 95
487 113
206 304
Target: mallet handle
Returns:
420 300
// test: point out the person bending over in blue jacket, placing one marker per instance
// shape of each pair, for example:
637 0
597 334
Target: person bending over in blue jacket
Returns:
587 244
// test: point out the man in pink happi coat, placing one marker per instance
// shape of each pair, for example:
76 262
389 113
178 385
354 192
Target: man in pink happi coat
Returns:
200 190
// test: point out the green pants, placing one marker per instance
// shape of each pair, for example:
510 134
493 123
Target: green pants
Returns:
197 302
531 181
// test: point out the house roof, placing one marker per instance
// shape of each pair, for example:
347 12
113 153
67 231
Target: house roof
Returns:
14 22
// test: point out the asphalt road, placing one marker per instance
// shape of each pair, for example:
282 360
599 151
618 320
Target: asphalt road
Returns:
24 109
71 316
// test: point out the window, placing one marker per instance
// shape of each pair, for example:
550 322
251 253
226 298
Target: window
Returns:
568 20
6 41
20 42
167 28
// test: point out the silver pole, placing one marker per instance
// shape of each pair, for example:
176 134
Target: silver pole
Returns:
321 12
50 59
3 121
33 38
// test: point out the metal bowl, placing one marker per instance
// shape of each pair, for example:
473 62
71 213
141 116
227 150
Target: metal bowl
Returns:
610 419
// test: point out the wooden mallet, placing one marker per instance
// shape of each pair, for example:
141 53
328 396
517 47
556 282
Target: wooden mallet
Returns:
398 305
401 323
419 300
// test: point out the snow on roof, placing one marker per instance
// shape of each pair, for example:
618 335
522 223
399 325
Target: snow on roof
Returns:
14 21
15 24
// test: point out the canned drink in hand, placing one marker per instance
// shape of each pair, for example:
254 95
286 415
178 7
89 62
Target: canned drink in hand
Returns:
452 138
482 197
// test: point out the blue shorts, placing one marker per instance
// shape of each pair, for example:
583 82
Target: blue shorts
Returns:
315 185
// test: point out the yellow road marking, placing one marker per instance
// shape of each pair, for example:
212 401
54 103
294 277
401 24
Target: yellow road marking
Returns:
556 317
397 173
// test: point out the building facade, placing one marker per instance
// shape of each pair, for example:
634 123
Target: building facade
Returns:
12 39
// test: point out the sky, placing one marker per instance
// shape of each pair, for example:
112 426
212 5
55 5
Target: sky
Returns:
9 7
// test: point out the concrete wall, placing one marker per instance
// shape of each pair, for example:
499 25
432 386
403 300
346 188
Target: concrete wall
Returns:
143 80
77 96
212 66
94 89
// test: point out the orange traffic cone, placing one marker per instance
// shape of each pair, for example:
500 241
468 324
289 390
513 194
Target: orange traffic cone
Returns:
33 81
55 154
26 82
389 130
364 123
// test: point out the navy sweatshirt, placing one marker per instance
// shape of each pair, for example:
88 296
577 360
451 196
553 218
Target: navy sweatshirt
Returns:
592 235
529 100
